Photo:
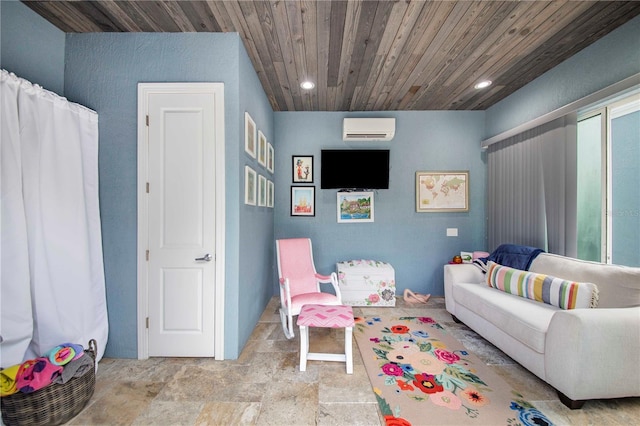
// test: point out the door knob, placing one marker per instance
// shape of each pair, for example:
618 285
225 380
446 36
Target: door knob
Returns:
207 258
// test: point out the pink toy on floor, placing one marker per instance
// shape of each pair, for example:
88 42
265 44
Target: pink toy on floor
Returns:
413 298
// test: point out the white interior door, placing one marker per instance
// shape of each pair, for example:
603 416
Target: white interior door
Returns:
181 196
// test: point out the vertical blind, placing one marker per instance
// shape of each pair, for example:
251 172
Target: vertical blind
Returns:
531 188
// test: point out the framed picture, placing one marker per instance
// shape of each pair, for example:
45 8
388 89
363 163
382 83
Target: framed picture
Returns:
250 186
262 148
262 191
270 157
442 191
303 201
249 135
270 193
355 207
302 168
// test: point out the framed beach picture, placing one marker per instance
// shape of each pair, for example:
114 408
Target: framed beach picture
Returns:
249 135
262 191
270 157
442 191
355 207
250 186
303 201
262 148
302 168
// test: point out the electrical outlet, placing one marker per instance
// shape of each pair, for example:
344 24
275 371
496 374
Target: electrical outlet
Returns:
452 232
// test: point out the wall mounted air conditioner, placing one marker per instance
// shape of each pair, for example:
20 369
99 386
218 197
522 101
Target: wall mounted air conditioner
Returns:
368 129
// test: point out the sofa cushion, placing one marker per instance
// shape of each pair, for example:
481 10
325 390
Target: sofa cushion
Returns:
525 320
542 288
619 286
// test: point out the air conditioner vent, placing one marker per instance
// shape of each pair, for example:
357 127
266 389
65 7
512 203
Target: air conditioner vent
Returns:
366 135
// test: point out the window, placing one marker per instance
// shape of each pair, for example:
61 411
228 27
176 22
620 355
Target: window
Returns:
609 183
591 184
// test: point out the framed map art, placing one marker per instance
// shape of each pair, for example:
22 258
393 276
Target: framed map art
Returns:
442 191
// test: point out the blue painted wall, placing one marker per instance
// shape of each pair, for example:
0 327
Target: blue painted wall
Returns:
607 61
255 245
103 71
414 243
31 47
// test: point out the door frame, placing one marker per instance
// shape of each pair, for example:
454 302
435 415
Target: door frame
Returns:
144 90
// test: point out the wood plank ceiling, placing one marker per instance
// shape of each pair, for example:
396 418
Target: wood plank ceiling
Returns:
373 55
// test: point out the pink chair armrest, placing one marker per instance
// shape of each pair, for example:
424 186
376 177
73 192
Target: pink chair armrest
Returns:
321 277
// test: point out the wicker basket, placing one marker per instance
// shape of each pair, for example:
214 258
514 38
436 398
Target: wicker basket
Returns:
54 404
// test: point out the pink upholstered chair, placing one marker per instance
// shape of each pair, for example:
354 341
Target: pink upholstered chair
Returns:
299 281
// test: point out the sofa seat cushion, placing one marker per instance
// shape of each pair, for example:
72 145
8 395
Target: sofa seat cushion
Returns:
525 320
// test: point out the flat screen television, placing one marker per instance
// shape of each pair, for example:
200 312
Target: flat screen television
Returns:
354 169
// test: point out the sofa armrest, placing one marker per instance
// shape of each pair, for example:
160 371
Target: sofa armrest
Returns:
460 273
593 353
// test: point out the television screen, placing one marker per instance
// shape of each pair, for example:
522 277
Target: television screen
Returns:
354 169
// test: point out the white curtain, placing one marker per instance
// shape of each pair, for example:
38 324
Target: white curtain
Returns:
52 275
531 188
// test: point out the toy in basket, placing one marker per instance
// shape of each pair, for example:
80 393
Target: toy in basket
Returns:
54 404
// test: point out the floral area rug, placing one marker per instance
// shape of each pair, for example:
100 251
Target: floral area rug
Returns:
423 376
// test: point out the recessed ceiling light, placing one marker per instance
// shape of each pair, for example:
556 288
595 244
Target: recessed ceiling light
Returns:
307 85
483 84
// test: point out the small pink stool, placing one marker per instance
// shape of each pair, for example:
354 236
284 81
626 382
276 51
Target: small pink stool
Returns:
338 316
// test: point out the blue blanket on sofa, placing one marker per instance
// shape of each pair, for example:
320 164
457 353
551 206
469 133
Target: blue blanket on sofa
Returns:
514 256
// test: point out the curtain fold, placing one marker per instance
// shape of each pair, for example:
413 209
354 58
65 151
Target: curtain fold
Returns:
531 188
16 324
58 183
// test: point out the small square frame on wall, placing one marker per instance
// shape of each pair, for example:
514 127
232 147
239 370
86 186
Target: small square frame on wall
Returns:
262 191
249 135
262 148
442 191
302 168
355 207
250 185
303 201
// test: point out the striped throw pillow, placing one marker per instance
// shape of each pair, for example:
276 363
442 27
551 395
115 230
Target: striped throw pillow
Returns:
542 288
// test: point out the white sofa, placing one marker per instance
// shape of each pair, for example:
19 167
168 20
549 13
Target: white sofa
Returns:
583 353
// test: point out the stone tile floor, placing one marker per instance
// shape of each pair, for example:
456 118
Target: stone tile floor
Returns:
265 387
